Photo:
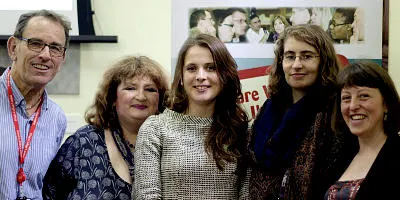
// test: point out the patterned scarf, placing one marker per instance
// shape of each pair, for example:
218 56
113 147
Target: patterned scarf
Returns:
124 149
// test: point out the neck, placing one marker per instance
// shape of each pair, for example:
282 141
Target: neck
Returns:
30 93
297 95
372 144
200 110
130 131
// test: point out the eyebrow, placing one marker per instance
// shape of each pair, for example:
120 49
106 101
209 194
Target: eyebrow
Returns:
52 43
301 52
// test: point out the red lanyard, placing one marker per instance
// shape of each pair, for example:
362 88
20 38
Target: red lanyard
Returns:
22 154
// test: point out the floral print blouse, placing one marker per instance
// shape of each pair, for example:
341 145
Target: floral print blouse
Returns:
82 170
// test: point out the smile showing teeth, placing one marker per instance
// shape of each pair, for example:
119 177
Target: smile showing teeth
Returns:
357 117
44 67
201 87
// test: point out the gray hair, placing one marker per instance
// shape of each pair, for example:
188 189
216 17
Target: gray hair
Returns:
24 19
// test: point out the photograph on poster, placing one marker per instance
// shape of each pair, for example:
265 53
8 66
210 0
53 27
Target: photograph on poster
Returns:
255 25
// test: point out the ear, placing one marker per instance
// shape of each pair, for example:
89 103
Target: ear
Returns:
11 48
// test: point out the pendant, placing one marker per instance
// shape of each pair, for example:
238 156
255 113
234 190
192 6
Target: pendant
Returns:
21 176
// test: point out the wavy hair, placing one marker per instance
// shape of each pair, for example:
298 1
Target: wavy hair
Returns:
229 127
328 65
101 113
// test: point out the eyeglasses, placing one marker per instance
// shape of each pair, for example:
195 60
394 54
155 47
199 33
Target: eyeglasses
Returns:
37 45
241 21
306 58
230 25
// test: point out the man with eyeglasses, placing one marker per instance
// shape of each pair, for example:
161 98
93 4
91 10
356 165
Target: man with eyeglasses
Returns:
239 24
256 34
340 27
32 125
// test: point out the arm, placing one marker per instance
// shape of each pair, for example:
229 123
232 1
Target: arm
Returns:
244 185
147 183
58 181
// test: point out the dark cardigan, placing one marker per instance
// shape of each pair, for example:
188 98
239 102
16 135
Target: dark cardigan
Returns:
383 179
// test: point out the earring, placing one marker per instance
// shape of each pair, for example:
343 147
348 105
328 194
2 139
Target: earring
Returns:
384 116
180 82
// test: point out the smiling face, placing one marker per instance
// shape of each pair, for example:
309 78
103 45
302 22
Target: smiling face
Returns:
200 78
255 24
30 68
363 110
137 99
300 74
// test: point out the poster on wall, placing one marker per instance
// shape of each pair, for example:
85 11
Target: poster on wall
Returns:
250 28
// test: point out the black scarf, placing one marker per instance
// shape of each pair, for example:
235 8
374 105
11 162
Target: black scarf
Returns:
278 131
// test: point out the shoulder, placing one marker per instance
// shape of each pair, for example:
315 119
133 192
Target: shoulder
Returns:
85 135
54 110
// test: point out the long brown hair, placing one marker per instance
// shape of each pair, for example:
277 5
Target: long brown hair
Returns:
328 65
101 113
227 136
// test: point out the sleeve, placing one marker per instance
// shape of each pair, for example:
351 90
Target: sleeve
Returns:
244 185
147 184
59 180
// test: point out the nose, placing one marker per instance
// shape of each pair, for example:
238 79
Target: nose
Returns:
140 95
297 62
45 53
201 74
354 104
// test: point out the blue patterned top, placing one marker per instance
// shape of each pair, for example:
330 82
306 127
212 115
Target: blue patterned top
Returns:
82 170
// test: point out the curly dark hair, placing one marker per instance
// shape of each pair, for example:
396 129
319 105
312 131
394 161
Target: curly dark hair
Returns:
230 122
101 113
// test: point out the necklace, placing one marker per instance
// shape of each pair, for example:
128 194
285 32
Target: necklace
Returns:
30 107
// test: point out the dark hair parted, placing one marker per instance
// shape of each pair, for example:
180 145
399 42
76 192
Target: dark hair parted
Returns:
328 67
101 112
372 75
229 128
196 16
24 19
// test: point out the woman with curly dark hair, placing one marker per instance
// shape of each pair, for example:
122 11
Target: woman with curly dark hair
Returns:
195 149
96 162
292 142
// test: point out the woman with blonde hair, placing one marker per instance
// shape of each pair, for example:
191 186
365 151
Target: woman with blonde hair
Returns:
96 162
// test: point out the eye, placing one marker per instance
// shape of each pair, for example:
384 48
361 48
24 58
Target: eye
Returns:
56 48
289 57
211 68
130 88
151 89
307 57
345 98
36 43
191 68
364 96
